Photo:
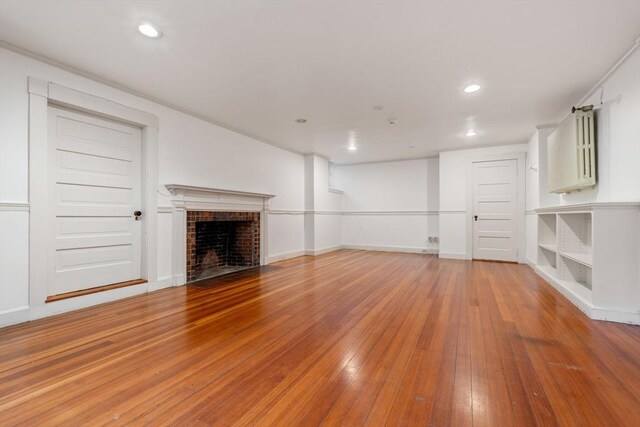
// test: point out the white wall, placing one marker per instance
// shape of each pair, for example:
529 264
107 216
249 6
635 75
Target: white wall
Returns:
618 137
191 151
532 198
536 188
390 205
323 216
453 196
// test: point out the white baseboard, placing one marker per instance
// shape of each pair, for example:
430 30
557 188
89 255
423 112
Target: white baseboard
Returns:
163 282
595 313
26 313
283 256
180 279
84 301
452 255
615 316
315 252
14 315
403 249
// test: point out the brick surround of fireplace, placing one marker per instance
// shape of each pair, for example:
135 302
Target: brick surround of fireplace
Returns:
220 242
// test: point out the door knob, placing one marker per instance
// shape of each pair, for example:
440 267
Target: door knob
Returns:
137 215
475 217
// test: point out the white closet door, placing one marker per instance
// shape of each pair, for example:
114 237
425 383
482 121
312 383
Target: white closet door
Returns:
495 201
94 190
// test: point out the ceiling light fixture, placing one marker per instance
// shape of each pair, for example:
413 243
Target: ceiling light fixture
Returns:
352 148
301 120
471 132
149 30
472 88
378 107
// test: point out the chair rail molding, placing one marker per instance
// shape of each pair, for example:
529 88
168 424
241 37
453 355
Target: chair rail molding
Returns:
14 206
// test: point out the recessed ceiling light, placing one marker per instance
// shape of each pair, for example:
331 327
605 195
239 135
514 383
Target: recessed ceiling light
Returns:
352 148
472 88
149 31
378 107
301 120
392 121
412 146
471 132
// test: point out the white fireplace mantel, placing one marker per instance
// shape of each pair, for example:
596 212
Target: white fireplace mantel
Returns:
189 198
205 198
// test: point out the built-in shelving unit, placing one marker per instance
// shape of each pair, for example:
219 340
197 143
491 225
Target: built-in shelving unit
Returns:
603 281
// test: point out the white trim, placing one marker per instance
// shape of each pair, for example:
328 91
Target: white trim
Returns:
165 282
519 157
453 211
62 306
384 248
390 212
286 212
316 252
14 206
530 212
193 198
323 212
165 209
352 213
179 189
41 94
335 190
583 207
453 255
14 316
586 307
372 162
283 256
583 305
615 316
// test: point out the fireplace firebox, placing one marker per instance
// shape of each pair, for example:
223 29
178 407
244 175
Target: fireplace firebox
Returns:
221 242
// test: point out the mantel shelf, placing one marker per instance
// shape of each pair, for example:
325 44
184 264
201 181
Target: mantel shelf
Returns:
176 189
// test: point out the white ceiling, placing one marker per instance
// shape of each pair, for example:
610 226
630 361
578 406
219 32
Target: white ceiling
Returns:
256 66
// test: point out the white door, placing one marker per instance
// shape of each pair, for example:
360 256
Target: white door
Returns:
94 189
495 204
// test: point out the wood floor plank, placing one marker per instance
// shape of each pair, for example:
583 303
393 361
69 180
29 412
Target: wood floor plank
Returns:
345 338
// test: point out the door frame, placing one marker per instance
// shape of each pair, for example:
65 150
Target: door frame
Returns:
42 94
520 209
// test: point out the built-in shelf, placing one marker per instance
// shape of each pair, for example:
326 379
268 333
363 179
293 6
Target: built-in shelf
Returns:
566 257
548 270
549 246
581 258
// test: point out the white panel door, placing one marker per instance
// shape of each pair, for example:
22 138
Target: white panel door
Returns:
495 202
94 189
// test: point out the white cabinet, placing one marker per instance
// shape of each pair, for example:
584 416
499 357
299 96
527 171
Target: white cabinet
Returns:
591 254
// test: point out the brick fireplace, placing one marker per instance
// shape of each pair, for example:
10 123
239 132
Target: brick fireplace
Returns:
193 204
221 242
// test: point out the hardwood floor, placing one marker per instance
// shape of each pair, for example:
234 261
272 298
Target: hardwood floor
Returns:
347 338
